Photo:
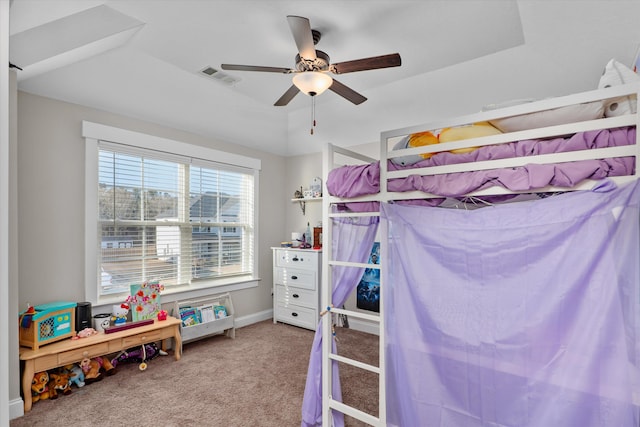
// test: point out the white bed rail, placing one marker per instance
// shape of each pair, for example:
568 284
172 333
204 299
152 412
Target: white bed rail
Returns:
390 138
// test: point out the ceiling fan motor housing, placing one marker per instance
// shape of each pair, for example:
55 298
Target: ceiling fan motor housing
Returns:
321 63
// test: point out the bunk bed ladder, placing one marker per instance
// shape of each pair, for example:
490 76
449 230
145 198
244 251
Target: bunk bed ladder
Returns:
329 404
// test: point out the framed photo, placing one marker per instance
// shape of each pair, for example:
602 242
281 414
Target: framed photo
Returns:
368 293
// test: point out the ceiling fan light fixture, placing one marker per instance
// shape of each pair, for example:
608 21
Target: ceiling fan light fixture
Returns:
312 83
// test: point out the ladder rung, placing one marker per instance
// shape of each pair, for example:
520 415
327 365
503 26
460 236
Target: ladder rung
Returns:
354 264
356 314
355 363
355 413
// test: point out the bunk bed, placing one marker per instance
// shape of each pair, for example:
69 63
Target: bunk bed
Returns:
518 304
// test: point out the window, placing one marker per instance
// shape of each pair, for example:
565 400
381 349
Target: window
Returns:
183 219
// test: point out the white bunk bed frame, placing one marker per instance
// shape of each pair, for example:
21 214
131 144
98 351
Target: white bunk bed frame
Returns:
387 140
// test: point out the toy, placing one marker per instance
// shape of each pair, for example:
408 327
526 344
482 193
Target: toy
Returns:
91 369
47 323
86 332
105 366
76 376
138 354
120 313
414 140
59 383
40 386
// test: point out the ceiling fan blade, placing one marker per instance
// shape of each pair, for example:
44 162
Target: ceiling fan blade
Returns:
301 31
346 92
255 68
373 63
287 97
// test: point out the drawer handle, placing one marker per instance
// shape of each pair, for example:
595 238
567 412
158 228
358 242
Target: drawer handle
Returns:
294 277
295 258
143 338
295 296
294 314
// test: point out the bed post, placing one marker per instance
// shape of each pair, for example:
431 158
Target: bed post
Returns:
326 286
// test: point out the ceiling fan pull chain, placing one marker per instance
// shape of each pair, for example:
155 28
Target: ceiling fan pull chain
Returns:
313 113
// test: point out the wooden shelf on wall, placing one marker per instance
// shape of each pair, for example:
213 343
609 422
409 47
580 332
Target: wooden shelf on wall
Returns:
308 199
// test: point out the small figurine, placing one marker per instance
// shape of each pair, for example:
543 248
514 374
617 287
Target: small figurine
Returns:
120 314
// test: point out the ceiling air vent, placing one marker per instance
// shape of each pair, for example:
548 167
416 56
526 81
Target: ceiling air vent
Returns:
214 74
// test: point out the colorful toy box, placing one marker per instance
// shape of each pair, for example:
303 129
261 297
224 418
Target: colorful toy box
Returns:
47 323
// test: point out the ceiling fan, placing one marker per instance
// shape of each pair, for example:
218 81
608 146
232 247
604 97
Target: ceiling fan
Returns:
312 66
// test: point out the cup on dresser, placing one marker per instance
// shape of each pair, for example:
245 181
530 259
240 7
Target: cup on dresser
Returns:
101 321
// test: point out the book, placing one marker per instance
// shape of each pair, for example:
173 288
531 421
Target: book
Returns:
189 316
207 313
221 311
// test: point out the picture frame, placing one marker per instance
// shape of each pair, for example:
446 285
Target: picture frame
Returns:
144 300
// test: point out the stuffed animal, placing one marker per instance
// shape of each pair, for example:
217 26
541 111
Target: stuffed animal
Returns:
40 386
86 332
414 140
76 376
105 366
59 383
91 369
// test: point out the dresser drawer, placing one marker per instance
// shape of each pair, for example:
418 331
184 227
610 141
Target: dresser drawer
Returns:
74 356
297 296
45 363
143 338
296 278
296 315
296 259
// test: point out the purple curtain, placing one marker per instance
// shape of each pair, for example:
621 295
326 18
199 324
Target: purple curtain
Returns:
352 239
522 314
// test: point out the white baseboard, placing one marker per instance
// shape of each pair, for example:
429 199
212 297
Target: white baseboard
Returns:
253 318
364 326
16 408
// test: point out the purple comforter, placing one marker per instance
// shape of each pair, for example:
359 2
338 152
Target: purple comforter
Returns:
353 181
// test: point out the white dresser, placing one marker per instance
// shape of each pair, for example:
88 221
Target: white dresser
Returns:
296 282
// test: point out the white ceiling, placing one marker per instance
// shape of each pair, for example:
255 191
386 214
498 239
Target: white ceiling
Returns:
141 58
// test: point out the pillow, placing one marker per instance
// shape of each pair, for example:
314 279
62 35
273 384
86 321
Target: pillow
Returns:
421 139
414 140
557 116
616 74
475 130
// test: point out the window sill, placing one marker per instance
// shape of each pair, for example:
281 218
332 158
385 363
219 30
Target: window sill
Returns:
194 290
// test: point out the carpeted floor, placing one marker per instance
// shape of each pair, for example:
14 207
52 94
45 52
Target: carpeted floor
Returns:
256 379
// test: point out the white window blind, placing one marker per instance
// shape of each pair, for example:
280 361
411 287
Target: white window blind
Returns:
170 218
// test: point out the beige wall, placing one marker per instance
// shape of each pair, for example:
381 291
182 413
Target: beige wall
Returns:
50 205
299 173
51 199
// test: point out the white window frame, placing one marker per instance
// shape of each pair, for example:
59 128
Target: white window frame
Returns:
95 132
